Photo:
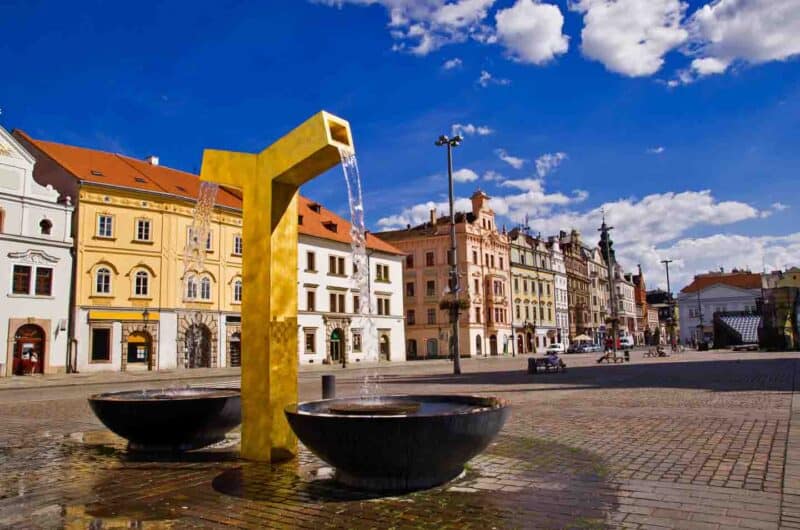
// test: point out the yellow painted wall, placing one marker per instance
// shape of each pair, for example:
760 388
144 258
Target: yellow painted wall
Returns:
162 256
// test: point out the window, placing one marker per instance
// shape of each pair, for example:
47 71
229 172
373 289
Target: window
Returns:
410 289
101 344
477 287
430 288
44 281
431 348
205 289
237 245
336 303
356 340
478 315
474 256
143 230
527 313
429 259
549 314
381 273
311 262
191 288
311 299
45 227
410 261
102 284
517 312
237 291
501 264
22 280
311 339
141 284
357 304
105 226
548 289
525 285
491 261
431 316
411 317
336 265
516 285
383 306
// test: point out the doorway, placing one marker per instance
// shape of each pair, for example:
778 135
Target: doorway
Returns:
384 347
235 349
335 345
198 346
139 354
493 345
28 350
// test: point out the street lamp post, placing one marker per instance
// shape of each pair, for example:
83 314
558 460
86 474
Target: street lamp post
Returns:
672 340
451 255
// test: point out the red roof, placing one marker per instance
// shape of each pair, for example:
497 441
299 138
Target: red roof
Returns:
742 280
113 169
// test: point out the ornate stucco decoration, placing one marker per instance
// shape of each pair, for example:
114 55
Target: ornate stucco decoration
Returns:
37 257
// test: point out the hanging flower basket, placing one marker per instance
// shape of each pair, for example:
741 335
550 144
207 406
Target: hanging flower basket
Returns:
450 303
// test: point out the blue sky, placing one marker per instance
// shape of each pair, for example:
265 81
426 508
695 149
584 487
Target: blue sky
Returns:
679 119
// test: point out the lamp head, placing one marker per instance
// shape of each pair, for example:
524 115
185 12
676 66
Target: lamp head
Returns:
456 140
442 140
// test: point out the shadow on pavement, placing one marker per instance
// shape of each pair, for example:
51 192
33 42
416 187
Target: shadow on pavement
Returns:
772 375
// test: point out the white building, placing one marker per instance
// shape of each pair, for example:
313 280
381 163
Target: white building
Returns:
626 303
331 330
36 264
715 292
561 304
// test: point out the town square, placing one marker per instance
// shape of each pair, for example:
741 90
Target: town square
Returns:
400 264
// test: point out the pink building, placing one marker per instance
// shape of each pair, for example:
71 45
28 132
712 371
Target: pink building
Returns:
483 266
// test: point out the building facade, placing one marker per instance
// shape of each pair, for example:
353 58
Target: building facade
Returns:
644 323
715 292
484 276
533 293
332 330
138 303
36 265
626 302
577 284
598 293
560 290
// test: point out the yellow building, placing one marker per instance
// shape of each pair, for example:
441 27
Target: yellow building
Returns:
134 304
533 293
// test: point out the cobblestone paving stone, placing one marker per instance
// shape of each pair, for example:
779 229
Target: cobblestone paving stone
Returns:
698 441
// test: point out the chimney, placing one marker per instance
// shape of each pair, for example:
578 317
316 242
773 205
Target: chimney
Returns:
433 217
152 160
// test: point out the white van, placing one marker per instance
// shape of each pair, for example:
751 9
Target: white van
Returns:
626 341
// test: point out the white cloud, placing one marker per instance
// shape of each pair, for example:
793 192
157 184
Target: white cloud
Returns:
512 161
548 162
493 176
535 185
752 31
422 26
487 79
531 31
778 206
655 150
465 175
631 37
468 129
452 63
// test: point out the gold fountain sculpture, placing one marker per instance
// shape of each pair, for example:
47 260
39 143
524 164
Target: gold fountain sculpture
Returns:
269 182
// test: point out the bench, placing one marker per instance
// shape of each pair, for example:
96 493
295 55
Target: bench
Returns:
540 364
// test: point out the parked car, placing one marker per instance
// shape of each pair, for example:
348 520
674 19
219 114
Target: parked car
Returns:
556 348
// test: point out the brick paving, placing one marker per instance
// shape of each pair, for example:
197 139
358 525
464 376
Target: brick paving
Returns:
697 440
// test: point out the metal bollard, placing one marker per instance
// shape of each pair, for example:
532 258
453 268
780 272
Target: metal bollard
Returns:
328 386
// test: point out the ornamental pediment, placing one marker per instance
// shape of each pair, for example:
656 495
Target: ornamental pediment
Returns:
36 257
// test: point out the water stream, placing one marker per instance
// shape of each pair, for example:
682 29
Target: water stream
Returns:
370 387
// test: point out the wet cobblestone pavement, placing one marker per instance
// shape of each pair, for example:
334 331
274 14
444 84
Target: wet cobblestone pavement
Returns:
695 441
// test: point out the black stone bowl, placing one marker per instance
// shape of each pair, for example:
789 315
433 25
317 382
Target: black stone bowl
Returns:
399 452
169 420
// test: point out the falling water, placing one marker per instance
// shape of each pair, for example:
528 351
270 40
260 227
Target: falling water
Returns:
358 236
194 255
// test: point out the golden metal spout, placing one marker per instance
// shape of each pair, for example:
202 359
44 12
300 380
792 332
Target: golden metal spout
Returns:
269 182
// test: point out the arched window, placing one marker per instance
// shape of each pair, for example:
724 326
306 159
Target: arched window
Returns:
205 289
191 288
432 348
237 291
45 226
102 284
142 284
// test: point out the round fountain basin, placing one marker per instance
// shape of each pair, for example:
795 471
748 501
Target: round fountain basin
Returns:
396 450
171 419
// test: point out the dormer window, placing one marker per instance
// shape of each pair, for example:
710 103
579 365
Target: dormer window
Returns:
330 225
315 207
97 173
300 219
45 227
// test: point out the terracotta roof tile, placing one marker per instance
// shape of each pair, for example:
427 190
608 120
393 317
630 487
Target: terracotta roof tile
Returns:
742 280
320 222
113 169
